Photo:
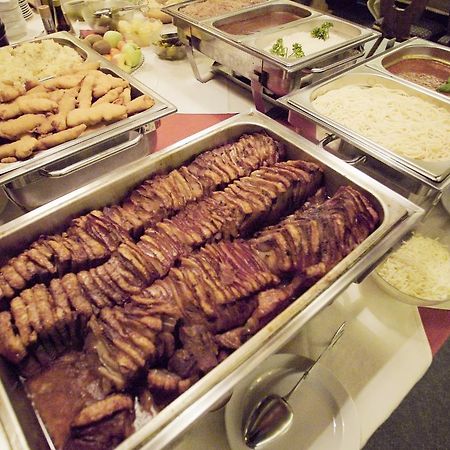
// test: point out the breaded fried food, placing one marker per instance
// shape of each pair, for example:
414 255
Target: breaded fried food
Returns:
38 90
52 140
85 95
57 95
67 103
31 84
57 122
81 67
27 105
64 81
125 96
105 112
104 83
20 149
109 97
10 91
15 128
8 160
46 126
139 104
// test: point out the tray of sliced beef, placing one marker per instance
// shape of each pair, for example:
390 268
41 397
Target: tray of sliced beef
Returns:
131 306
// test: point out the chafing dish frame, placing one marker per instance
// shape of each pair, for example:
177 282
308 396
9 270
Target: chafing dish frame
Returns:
259 10
428 172
414 48
398 217
161 108
261 68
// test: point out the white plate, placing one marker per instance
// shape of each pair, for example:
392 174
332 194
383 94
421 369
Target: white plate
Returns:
325 417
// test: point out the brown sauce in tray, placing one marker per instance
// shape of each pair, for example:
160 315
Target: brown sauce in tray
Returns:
424 72
258 23
72 382
59 392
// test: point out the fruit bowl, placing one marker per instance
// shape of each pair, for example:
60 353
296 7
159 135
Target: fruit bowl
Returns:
124 54
141 31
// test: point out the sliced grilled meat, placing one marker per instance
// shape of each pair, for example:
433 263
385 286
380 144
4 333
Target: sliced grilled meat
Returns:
102 425
237 210
165 195
88 242
268 304
195 292
92 238
312 242
212 285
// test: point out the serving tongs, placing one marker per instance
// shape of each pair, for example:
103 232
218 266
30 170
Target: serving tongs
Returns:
112 11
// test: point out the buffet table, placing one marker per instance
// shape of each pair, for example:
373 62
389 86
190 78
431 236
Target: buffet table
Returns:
384 340
400 339
392 333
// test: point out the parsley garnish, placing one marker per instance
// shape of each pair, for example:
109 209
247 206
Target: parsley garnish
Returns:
322 32
445 87
280 50
297 51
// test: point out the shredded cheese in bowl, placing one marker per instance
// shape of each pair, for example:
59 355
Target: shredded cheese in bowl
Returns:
419 268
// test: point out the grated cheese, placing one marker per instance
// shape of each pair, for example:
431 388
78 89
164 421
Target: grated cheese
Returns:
419 268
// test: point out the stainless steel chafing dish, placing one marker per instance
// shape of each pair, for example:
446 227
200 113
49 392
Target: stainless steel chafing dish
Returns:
398 217
245 55
422 181
90 148
413 49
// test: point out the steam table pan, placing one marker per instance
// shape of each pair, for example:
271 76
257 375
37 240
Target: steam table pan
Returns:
398 216
143 121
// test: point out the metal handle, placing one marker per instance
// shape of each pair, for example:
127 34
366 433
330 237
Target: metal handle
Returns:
111 11
375 46
191 58
336 64
337 335
92 159
352 162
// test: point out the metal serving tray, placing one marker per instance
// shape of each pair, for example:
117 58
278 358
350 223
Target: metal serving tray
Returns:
416 48
276 75
350 33
161 108
398 217
180 6
37 188
435 173
263 11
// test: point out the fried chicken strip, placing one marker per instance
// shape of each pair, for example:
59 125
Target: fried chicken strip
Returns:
104 112
15 128
27 105
139 104
53 140
10 91
20 149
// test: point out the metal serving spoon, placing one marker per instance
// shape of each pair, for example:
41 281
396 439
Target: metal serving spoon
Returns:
273 414
110 12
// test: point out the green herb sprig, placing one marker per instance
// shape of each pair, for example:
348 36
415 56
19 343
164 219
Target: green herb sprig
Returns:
280 49
297 51
322 32
445 88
